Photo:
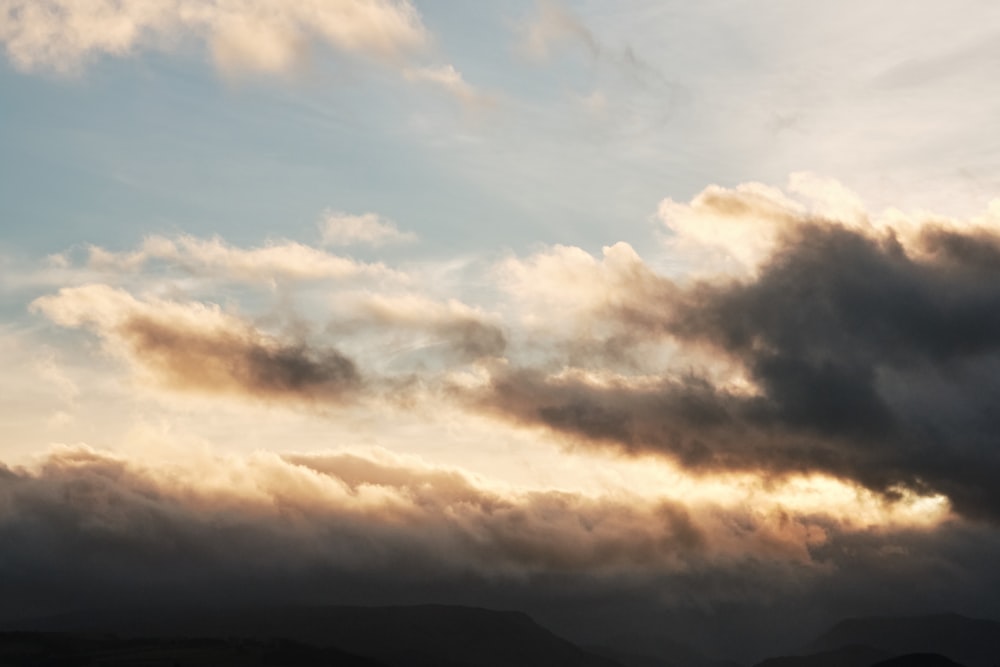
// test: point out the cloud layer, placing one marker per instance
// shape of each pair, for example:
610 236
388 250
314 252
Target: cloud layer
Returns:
78 521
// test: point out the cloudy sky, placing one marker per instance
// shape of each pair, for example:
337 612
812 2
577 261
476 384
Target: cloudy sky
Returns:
639 310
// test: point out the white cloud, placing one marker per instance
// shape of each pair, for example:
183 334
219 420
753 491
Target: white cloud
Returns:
284 260
569 280
732 230
342 229
450 80
242 35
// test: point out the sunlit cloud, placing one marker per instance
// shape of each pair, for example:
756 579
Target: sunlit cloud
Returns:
344 229
277 261
268 36
199 348
449 80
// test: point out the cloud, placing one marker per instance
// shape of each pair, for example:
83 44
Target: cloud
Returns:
242 35
467 332
88 520
846 344
734 230
195 347
741 225
451 81
570 280
554 25
370 526
627 98
865 347
344 229
276 261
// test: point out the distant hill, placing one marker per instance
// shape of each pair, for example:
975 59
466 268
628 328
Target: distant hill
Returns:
968 641
52 649
918 660
845 656
412 636
644 650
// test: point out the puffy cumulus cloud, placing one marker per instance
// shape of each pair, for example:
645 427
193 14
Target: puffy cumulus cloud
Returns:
738 226
279 261
243 35
571 281
344 229
565 303
733 230
195 347
868 350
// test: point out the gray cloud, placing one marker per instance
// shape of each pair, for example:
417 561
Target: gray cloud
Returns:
196 347
464 333
237 362
868 361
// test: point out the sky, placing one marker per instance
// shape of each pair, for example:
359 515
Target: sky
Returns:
630 314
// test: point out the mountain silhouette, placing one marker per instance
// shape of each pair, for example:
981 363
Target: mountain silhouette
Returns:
844 656
37 649
411 636
635 649
918 660
968 641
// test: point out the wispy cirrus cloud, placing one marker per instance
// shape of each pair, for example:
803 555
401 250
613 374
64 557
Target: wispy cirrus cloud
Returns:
275 261
553 25
448 79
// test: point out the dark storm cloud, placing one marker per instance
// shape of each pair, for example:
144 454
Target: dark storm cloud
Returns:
977 249
867 357
86 523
